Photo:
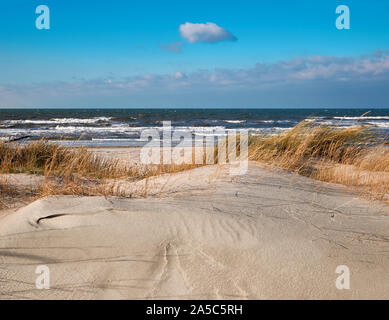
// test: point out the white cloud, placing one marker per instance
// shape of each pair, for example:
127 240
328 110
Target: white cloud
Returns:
316 80
205 32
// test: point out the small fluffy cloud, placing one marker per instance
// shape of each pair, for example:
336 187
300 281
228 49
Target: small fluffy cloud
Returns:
205 32
173 46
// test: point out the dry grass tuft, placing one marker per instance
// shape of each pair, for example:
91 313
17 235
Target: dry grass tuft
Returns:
350 156
5 193
12 195
75 171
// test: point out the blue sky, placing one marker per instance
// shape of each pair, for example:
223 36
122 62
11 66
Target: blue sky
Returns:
134 54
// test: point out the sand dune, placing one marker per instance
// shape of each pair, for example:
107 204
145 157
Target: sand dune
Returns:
265 235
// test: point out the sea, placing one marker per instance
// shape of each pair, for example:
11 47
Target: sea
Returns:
123 127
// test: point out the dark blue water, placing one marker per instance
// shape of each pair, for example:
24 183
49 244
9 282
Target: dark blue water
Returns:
123 126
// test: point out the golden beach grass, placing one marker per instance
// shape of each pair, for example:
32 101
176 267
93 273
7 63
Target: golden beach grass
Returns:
73 171
350 156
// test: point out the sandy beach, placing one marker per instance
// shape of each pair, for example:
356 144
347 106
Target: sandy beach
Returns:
208 153
200 234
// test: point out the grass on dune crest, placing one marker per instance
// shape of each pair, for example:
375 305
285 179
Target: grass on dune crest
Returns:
45 158
53 160
351 156
72 171
291 149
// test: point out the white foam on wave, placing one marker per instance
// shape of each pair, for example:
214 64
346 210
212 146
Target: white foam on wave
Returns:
381 124
364 118
277 121
115 128
58 121
234 121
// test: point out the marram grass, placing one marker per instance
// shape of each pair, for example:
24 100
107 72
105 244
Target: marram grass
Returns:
351 156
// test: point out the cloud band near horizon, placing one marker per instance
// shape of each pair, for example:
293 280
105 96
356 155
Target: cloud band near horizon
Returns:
299 82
